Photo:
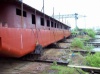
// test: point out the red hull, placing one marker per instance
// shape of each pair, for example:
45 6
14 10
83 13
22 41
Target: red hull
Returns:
17 42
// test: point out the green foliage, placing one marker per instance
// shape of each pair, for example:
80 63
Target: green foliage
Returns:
54 63
88 47
93 60
90 32
77 42
86 38
66 70
74 32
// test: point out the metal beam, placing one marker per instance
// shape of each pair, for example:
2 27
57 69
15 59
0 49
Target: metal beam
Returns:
69 16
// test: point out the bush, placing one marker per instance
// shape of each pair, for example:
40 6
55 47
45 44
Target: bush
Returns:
88 47
93 60
77 42
90 32
74 32
86 38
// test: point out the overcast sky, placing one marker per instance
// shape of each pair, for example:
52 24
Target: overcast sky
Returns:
90 8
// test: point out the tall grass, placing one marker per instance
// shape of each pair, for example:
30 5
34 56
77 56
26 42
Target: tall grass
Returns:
93 60
74 32
90 32
77 42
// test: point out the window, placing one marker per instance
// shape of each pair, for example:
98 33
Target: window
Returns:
42 21
48 23
64 27
24 14
58 25
61 26
18 12
51 24
55 25
33 19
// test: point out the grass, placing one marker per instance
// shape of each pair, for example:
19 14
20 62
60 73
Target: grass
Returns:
86 37
93 60
74 32
88 47
58 69
79 43
90 32
65 70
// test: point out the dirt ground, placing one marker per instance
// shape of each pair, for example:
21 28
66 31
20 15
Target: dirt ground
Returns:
64 45
56 55
9 66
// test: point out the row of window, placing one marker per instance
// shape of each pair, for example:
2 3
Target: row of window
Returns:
53 24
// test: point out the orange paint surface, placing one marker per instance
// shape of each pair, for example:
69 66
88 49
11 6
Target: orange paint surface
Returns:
17 42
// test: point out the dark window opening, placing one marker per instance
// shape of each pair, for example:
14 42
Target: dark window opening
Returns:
42 21
61 26
24 14
65 27
48 23
58 25
55 25
18 12
33 19
51 24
